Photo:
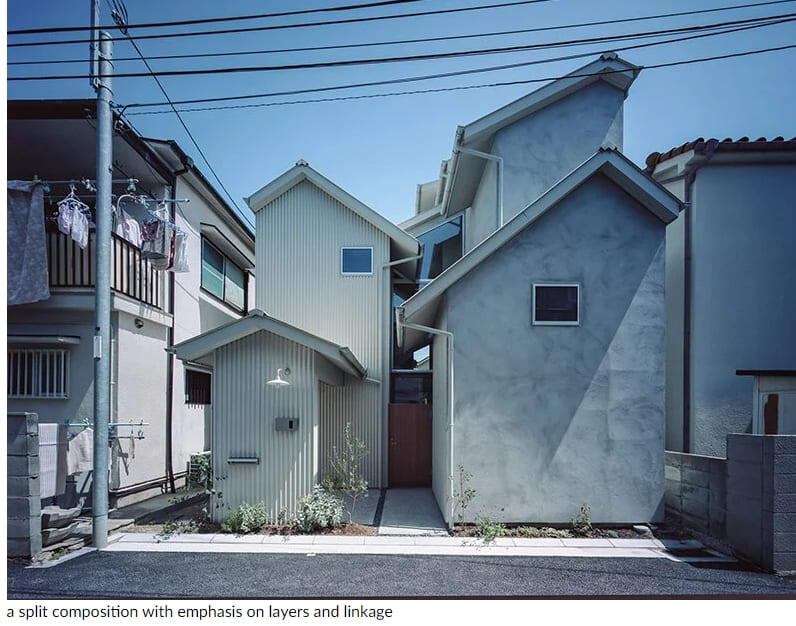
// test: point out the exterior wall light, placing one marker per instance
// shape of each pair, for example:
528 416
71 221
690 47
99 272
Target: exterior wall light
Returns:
279 381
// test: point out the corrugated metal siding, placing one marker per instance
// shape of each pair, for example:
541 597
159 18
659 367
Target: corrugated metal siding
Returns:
360 404
245 410
299 236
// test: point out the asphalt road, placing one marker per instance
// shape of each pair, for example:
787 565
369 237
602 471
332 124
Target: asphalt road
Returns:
117 575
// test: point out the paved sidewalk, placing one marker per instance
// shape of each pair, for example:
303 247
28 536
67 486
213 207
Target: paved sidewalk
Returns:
411 545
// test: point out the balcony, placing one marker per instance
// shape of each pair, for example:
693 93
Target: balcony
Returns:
132 276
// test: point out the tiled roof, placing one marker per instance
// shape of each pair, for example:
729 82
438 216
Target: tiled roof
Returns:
702 145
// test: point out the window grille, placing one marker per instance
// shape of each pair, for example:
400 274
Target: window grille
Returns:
197 387
38 373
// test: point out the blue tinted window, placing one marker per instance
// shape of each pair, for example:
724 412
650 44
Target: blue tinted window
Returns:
357 260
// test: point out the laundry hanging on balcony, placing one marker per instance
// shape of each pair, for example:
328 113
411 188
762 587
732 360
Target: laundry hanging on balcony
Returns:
28 279
73 218
164 245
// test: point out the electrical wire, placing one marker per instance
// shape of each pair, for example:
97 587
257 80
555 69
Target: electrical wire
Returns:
386 82
352 20
767 21
188 132
210 20
481 86
405 41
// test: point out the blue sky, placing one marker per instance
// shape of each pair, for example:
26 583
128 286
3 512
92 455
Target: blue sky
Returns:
380 148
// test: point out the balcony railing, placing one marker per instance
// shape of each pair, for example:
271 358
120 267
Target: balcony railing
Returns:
69 266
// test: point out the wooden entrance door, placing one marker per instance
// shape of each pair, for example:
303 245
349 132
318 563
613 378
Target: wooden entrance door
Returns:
410 445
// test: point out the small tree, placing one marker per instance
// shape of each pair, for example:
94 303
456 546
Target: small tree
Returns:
345 473
464 494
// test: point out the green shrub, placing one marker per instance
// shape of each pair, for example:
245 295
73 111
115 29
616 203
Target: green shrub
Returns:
581 523
246 518
488 529
320 509
345 475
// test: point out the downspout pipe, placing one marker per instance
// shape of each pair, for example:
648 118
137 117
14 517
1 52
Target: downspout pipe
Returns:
499 163
170 479
449 345
688 184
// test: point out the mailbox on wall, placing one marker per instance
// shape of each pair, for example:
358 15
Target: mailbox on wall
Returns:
287 423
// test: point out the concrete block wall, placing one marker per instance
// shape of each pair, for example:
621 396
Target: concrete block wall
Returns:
696 488
23 493
761 499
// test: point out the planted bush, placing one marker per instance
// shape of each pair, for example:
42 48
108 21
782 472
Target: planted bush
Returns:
320 509
247 518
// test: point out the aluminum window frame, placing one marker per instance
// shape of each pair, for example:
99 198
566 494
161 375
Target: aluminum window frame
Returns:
342 264
536 322
227 261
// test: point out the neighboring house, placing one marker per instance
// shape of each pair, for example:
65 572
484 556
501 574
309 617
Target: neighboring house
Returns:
543 306
730 283
151 310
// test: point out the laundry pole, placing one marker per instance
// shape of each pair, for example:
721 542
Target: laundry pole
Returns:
102 290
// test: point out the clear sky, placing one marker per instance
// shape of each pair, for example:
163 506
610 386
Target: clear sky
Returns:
380 148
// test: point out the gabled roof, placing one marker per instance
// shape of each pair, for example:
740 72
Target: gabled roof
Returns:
421 307
465 170
403 243
201 345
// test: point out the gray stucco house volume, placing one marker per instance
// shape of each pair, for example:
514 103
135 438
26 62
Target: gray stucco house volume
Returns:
552 353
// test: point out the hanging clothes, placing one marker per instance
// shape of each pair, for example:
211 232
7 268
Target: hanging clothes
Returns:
80 452
27 276
181 253
80 227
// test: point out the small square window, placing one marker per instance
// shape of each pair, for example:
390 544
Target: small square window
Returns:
38 373
198 387
556 304
356 260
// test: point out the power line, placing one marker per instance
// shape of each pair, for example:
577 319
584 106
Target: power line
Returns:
352 20
415 41
210 20
760 22
481 86
185 127
385 82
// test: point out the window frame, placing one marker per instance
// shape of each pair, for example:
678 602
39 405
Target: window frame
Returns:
188 374
342 264
226 260
36 394
537 322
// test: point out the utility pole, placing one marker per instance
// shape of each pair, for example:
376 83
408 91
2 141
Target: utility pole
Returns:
101 70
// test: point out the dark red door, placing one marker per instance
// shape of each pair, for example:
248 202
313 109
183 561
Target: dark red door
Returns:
410 445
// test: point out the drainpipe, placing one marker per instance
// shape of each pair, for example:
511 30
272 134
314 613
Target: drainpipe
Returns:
499 162
449 344
170 353
688 183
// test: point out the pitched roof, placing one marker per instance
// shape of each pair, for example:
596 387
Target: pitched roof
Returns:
257 320
421 307
404 244
478 135
701 146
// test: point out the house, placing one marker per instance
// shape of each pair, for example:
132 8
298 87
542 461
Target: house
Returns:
730 275
325 262
541 311
167 401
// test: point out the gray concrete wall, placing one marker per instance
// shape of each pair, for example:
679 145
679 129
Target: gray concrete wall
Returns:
22 481
542 148
761 499
547 417
696 492
744 269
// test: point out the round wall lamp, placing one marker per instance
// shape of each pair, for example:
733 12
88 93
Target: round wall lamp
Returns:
139 323
279 381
